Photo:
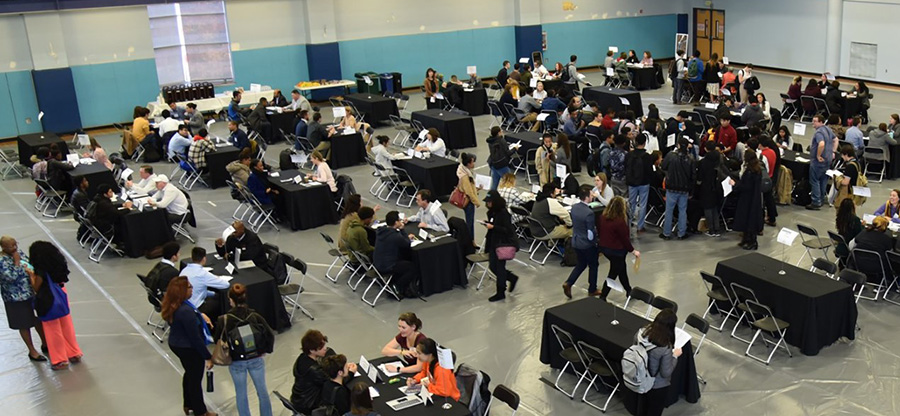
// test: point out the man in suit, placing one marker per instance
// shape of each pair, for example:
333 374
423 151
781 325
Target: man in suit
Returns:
259 121
278 99
194 118
164 271
302 128
319 136
584 241
249 243
503 74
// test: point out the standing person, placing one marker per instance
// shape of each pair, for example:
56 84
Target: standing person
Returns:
584 241
545 159
432 87
659 340
847 180
822 149
769 160
239 314
50 268
615 243
749 215
744 75
680 169
188 337
501 233
638 171
711 173
678 77
502 74
18 295
466 184
499 157
695 77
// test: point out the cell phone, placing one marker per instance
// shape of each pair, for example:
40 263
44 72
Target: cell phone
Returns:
210 386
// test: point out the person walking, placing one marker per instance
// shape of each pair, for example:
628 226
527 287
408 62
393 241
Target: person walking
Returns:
51 273
500 155
615 243
18 295
501 234
584 241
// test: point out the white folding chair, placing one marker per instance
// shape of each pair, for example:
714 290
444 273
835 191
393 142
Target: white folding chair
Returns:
290 292
9 163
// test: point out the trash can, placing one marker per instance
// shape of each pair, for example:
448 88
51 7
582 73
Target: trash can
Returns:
364 87
387 83
397 82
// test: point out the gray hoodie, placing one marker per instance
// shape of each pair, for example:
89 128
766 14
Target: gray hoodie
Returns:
660 361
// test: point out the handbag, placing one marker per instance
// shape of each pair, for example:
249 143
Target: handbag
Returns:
221 354
60 305
459 198
506 252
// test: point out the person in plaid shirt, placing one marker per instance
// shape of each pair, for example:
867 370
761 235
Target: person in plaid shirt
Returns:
198 150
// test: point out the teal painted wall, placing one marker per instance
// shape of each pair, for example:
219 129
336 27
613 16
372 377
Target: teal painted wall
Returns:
447 52
590 39
107 93
280 67
24 103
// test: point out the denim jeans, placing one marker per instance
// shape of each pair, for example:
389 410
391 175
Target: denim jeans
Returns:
587 258
257 369
470 219
680 199
637 204
496 174
677 86
818 181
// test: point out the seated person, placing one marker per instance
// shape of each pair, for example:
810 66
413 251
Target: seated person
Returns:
247 241
80 202
147 184
334 393
309 378
202 280
874 238
235 112
171 199
180 142
891 208
356 235
168 124
551 214
383 157
240 169
602 192
433 143
198 150
298 102
238 137
392 254
302 127
403 345
178 113
507 189
194 118
258 184
453 91
361 401
163 271
278 99
57 166
323 172
430 214
105 215
320 136
259 121
438 380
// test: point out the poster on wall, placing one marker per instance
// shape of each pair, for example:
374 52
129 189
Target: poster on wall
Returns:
544 40
681 42
863 59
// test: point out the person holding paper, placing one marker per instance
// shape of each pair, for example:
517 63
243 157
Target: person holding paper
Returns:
500 156
180 142
258 183
545 159
432 87
501 233
680 168
711 172
749 215
168 124
554 106
194 118
822 151
847 180
891 208
438 380
848 225
466 184
320 136
97 153
198 150
662 356
383 157
433 143
584 241
105 215
392 254
429 214
202 280
615 243
404 344
540 71
247 241
147 184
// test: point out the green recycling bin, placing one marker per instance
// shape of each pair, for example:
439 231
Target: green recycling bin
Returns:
367 83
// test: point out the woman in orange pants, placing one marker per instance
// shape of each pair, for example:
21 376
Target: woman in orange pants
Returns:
52 303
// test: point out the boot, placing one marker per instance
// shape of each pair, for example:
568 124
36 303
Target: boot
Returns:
496 297
513 279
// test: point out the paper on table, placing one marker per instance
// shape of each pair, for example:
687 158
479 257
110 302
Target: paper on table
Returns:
471 70
245 264
372 374
40 116
615 285
483 180
711 106
670 140
681 337
624 101
801 159
535 188
868 218
372 392
419 155
561 172
786 236
338 111
445 358
725 60
800 129
726 187
832 173
229 267
255 87
415 243
410 152
84 139
72 158
862 191
226 278
125 174
383 368
349 130
614 49
542 116
423 234
533 82
274 174
523 60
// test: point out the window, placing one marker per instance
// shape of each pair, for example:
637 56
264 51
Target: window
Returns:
190 41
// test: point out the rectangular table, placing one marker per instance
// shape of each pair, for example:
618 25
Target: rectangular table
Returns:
30 143
144 230
458 131
533 140
303 207
644 78
347 150
440 263
285 122
437 174
799 169
375 108
820 310
589 320
96 174
475 102
388 392
607 97
216 163
262 292
554 84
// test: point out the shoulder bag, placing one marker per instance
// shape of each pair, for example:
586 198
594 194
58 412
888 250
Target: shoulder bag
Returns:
60 304
221 352
459 198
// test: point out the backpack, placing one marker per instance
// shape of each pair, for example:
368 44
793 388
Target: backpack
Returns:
635 368
248 339
570 257
766 182
673 68
861 181
474 388
565 77
498 158
327 409
634 173
617 164
800 195
693 68
751 84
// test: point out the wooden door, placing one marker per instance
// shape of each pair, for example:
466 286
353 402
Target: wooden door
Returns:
702 33
718 34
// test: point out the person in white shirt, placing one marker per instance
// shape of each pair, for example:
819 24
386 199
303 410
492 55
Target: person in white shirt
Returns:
540 71
202 281
168 124
539 94
171 199
180 142
433 143
430 214
602 192
323 171
298 102
147 184
383 157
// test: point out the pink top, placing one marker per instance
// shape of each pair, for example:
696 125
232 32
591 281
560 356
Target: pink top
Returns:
100 156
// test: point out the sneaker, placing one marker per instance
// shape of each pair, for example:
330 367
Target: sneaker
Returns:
814 207
684 237
712 234
665 237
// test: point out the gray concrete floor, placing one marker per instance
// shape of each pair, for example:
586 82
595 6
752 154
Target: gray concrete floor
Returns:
127 372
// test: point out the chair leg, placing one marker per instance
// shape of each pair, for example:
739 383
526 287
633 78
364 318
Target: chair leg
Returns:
736 325
334 278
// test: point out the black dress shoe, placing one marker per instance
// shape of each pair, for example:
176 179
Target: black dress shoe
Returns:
39 358
498 296
44 349
513 279
665 237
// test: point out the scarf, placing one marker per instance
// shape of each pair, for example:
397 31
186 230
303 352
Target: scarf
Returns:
462 171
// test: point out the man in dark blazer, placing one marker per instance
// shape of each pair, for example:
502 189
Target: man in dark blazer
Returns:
163 272
246 240
259 121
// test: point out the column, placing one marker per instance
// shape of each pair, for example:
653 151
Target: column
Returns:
833 36
54 85
528 28
323 52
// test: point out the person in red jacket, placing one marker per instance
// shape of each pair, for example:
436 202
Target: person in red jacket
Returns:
726 135
615 243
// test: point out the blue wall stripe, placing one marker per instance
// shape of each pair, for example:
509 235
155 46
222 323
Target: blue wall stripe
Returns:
589 39
24 103
55 90
528 40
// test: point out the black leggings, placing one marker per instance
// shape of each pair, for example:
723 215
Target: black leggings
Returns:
192 380
617 269
653 402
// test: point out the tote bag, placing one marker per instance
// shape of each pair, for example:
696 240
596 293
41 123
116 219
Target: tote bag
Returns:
60 306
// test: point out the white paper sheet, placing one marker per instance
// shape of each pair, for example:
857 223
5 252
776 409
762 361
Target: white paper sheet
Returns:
415 243
610 72
125 174
246 264
419 155
73 159
471 70
801 159
439 96
542 116
372 392
445 358
725 60
229 268
338 111
523 60
482 180
832 173
862 191
868 218
349 130
726 187
84 139
799 129
410 152
423 234
255 87
533 82
615 285
624 101
422 134
786 236
710 106
535 188
670 140
515 145
561 172
681 337
383 368
614 49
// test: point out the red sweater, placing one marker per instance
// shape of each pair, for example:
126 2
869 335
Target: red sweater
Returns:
614 234
727 136
607 122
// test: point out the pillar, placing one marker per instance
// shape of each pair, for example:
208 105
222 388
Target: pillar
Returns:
528 28
833 36
323 54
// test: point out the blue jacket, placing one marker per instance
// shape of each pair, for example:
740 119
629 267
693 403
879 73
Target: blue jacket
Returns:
699 76
258 188
187 331
554 104
234 111
300 130
390 245
239 139
584 229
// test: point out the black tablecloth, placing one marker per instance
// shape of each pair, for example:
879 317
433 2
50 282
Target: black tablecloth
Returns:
799 169
589 320
820 310
30 143
216 162
607 97
96 174
143 230
852 106
736 120
475 102
388 392
644 78
262 292
554 84
440 263
347 150
533 140
893 167
283 122
458 131
303 207
437 174
375 108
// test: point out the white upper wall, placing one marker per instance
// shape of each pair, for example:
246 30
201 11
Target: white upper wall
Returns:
256 24
873 23
96 36
556 11
357 19
14 52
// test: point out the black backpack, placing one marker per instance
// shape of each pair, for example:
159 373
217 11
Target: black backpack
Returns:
751 84
800 195
564 77
498 157
248 339
673 68
634 169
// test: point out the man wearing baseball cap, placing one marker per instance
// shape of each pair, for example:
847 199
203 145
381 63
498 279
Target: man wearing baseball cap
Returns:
171 198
